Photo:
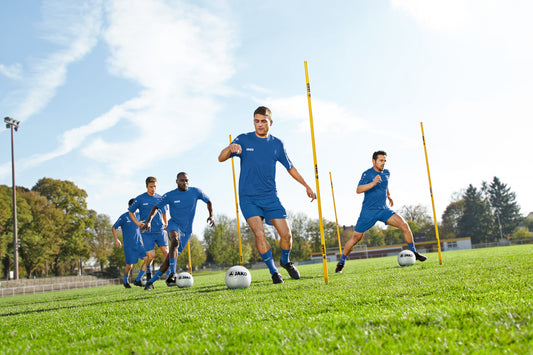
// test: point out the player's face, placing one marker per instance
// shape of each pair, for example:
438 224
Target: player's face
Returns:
183 182
151 187
379 163
262 124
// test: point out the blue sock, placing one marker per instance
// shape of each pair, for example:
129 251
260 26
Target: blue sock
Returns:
412 247
343 259
172 265
140 276
285 255
126 279
269 261
156 277
148 269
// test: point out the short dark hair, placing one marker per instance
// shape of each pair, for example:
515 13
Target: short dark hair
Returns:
379 152
263 110
150 179
181 173
130 202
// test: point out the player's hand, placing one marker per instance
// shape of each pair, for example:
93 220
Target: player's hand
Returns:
211 221
146 227
235 148
311 194
377 180
390 201
118 243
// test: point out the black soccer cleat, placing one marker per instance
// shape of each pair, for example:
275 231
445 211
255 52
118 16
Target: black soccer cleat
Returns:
276 278
420 257
138 283
171 279
149 286
293 272
127 285
339 267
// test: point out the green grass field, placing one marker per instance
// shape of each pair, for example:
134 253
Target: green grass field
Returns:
479 301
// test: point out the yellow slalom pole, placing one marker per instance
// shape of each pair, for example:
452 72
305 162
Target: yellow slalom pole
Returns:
322 241
431 193
335 209
189 249
236 206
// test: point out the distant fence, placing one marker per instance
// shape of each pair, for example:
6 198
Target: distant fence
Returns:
33 286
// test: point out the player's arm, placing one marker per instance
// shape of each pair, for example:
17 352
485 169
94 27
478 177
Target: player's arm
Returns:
366 187
296 175
210 219
148 223
226 152
165 220
117 242
139 224
390 199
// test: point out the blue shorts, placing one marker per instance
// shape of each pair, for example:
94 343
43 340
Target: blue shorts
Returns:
133 251
268 209
184 237
368 218
150 239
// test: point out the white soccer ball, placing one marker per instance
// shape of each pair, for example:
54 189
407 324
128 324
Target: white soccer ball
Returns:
406 258
184 279
238 277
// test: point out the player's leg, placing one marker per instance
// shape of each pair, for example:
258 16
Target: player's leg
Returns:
365 221
263 247
284 232
149 247
397 221
174 243
138 279
126 276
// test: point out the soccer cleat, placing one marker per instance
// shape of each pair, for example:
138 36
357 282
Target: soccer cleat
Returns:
339 267
127 285
148 286
276 278
138 283
293 272
420 257
171 279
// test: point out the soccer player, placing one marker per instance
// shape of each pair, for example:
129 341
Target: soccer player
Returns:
374 184
157 235
133 245
182 204
259 151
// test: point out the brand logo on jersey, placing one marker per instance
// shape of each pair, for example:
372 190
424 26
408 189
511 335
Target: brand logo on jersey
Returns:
177 201
145 204
249 149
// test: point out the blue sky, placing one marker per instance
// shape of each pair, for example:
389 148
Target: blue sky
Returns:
110 92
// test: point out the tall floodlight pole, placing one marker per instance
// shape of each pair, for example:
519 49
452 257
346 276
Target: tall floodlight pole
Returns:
14 125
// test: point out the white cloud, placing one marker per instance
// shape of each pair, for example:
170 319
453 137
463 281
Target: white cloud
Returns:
13 71
80 31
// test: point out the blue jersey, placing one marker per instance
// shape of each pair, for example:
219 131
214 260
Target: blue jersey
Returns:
144 204
376 197
131 234
182 205
258 164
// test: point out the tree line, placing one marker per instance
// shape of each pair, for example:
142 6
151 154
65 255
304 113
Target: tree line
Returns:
57 233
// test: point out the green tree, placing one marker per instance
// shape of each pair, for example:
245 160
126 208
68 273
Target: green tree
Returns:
451 216
198 255
38 236
504 207
522 233
475 221
222 243
74 226
102 241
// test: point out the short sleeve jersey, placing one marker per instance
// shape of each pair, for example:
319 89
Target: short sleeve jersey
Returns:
144 203
130 232
182 206
376 197
258 164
